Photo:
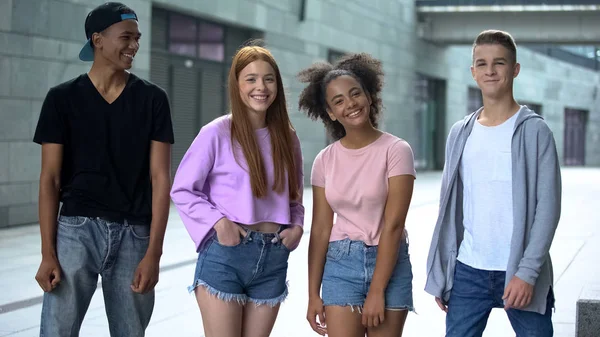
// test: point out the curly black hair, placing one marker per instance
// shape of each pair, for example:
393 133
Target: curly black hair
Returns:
367 70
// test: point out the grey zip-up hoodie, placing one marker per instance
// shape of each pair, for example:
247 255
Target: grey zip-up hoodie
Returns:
536 191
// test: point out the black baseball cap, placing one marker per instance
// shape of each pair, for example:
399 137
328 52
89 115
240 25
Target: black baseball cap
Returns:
101 18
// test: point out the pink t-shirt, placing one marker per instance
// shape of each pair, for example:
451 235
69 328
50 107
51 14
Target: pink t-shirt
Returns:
356 184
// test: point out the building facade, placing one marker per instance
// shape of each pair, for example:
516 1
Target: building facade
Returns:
187 48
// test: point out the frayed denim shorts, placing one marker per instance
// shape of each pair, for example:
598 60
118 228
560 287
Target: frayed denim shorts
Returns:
254 271
349 271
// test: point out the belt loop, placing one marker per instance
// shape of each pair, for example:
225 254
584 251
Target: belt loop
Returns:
346 246
278 237
246 237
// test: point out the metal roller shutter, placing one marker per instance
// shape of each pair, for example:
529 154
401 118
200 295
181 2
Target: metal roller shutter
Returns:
185 111
211 94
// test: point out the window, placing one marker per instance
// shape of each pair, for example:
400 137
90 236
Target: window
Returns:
210 42
537 108
575 128
429 138
182 35
191 37
474 100
334 55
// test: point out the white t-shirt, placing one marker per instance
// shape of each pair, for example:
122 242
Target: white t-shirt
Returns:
486 173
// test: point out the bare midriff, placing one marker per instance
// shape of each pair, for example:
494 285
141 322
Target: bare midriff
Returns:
264 227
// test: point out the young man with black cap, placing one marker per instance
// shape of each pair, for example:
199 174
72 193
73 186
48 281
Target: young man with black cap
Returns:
106 138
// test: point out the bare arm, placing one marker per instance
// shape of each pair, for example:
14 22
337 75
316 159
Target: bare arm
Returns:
49 195
396 208
48 275
322 222
399 195
146 275
160 162
320 231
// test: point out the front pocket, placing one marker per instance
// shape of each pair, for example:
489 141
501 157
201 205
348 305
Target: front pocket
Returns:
72 221
215 240
284 247
403 253
141 232
334 253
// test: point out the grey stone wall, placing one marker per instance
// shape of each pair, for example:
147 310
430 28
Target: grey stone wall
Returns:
40 41
382 28
554 84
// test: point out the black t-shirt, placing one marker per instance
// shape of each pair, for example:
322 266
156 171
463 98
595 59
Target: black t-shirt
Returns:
106 147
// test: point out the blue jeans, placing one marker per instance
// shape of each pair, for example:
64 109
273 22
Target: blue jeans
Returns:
255 270
86 248
349 271
476 292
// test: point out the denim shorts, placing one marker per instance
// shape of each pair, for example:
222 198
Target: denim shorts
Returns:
254 271
349 271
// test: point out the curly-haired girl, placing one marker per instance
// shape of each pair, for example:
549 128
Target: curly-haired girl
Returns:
366 178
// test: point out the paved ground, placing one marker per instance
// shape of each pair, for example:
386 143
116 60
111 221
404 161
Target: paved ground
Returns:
574 252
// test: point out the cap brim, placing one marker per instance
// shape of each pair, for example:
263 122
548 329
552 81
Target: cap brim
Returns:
87 52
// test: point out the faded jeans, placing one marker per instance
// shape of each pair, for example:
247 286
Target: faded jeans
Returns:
86 248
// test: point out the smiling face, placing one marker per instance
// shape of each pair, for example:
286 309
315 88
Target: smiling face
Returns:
348 102
118 44
258 86
494 70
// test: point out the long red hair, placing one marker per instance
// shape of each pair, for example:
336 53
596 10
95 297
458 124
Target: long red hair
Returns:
278 123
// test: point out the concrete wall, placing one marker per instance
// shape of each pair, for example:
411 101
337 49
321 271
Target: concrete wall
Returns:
554 84
545 24
381 27
40 42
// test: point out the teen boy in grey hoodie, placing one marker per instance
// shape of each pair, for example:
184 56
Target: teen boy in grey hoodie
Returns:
499 208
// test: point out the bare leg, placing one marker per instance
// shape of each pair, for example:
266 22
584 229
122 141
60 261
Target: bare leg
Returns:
343 322
258 321
220 318
392 326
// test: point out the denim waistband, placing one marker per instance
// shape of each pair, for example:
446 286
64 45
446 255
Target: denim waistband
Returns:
267 238
347 245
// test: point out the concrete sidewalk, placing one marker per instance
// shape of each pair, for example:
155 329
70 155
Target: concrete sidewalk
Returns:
574 252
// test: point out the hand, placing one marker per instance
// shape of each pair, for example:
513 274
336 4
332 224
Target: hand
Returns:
374 309
48 275
517 294
316 308
229 233
441 304
290 237
146 275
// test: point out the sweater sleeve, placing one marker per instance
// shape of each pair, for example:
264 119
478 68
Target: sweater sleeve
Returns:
438 272
296 206
547 210
198 214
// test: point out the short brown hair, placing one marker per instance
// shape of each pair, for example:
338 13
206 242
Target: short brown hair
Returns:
500 37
